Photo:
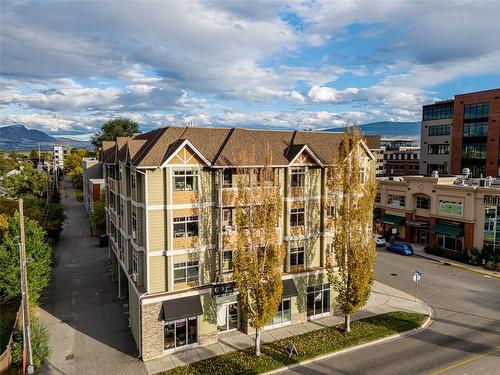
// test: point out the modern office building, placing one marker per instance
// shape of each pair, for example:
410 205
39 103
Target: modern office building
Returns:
451 212
462 133
171 220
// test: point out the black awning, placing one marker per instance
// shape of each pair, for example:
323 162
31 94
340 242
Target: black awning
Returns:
289 288
179 308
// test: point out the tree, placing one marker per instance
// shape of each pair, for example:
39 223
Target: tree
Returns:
351 190
73 161
98 216
38 252
7 164
259 256
120 127
30 182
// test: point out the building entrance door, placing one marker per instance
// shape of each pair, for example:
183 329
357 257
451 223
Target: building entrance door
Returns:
424 234
227 317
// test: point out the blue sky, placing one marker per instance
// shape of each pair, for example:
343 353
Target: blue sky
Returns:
66 67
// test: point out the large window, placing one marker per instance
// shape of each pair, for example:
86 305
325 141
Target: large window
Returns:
436 130
476 129
298 177
437 111
186 180
297 217
453 208
438 149
491 239
440 168
297 258
185 226
180 333
284 313
186 272
318 299
396 200
474 151
424 202
450 243
475 111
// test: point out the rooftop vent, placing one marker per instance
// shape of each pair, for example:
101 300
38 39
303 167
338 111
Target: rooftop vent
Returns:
435 174
466 173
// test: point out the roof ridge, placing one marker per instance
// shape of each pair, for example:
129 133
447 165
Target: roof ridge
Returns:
152 141
221 148
291 142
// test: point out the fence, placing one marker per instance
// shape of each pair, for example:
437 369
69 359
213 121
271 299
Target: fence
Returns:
6 356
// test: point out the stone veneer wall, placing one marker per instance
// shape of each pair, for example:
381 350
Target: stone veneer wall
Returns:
152 331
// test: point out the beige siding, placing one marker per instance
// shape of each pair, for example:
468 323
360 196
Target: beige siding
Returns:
156 186
157 230
158 277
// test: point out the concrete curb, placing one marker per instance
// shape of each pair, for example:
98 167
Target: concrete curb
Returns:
458 265
396 336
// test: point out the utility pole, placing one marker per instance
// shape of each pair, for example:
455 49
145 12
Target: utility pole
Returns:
25 298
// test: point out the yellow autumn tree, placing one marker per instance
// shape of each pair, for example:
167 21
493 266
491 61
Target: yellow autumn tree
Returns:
352 188
259 255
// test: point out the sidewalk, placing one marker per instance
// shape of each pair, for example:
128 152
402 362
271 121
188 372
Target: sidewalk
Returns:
418 249
383 299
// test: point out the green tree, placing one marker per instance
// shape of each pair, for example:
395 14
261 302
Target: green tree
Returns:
39 344
30 182
120 127
7 164
98 216
351 190
259 255
73 162
38 253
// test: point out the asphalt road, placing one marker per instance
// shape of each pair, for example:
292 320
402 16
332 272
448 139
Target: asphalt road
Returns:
464 337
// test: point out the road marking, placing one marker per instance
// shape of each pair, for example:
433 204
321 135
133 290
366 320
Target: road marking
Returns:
475 358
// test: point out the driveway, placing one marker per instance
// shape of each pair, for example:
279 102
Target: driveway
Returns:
87 326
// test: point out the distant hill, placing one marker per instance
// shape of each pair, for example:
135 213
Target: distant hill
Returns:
389 129
18 137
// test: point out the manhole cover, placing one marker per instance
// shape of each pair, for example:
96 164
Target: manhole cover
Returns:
71 356
394 274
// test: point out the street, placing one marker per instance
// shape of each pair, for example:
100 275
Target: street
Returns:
86 322
464 337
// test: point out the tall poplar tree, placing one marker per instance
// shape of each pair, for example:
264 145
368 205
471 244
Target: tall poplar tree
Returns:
352 188
258 258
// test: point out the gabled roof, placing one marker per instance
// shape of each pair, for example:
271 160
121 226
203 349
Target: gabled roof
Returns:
294 151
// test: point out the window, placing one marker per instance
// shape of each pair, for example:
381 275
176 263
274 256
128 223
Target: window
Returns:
297 259
135 262
331 211
298 177
227 217
132 181
362 174
297 217
474 151
318 299
227 178
475 111
439 130
227 261
476 129
396 200
439 149
284 313
185 226
186 272
134 221
440 168
437 111
180 333
423 202
186 180
452 208
377 198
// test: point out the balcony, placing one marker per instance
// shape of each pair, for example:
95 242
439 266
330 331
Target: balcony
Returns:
113 185
230 192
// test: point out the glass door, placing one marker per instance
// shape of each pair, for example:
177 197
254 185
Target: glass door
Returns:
227 317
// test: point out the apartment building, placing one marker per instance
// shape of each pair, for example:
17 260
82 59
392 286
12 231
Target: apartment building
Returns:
92 182
171 221
462 133
59 152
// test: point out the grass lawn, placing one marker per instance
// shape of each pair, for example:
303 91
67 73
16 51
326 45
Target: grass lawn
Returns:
8 313
309 345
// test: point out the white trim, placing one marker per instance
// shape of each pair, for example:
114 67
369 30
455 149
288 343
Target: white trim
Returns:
171 253
180 206
137 204
165 296
306 148
304 198
181 146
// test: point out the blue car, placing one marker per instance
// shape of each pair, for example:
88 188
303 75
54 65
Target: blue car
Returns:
402 248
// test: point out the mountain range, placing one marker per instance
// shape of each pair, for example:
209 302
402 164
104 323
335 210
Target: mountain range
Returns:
389 129
18 137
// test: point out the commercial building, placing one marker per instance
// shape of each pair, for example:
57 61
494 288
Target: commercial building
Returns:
171 221
451 212
59 153
462 133
399 156
92 182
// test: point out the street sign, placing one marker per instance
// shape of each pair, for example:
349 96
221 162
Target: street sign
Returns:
417 276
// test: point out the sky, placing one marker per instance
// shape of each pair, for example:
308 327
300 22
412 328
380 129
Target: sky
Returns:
68 66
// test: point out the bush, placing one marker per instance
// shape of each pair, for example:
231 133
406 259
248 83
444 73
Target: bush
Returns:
490 265
470 255
434 250
39 345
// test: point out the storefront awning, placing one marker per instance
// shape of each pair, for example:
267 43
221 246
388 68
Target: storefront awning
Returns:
417 223
392 219
179 308
450 231
376 215
289 288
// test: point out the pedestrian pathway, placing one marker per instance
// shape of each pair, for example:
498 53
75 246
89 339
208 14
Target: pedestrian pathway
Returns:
383 299
87 327
418 249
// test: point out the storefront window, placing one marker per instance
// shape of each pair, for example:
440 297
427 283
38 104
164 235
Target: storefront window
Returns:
318 299
180 333
492 228
450 243
284 313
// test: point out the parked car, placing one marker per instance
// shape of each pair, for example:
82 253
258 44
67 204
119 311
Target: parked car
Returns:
402 248
379 240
